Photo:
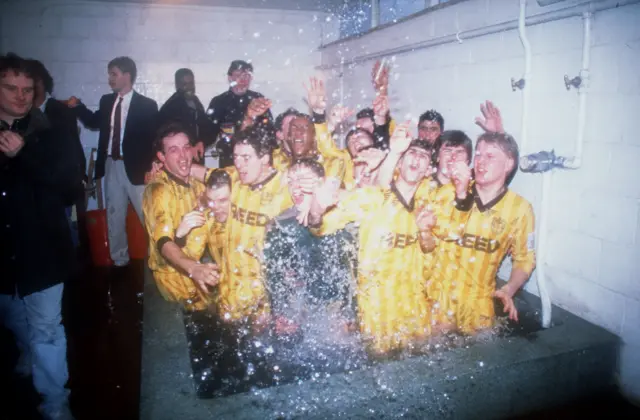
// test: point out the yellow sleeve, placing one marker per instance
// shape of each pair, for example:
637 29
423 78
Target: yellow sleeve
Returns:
523 243
280 160
334 167
392 127
353 207
197 240
326 146
157 207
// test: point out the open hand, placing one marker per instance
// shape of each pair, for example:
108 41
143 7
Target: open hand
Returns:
491 120
316 95
190 221
507 302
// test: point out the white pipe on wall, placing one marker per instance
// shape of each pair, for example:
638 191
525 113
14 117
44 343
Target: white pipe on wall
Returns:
577 162
570 11
527 75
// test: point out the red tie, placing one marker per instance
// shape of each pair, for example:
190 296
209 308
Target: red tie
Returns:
115 144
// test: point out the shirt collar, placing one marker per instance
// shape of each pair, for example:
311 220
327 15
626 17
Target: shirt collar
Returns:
44 103
264 182
177 180
126 98
410 205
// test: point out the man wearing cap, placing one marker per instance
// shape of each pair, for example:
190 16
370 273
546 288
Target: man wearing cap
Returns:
228 110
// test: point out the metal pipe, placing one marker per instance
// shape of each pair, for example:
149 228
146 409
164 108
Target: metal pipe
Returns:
541 249
583 90
526 90
571 11
375 13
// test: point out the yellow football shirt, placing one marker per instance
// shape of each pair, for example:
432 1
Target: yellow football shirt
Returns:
464 277
391 297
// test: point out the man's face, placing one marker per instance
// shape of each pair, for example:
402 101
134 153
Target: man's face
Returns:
240 80
219 200
491 164
366 124
177 155
282 134
429 131
450 154
16 94
118 81
358 141
301 140
248 163
415 165
186 85
296 174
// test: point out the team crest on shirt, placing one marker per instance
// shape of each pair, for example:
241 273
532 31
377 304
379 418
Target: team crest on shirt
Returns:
266 198
497 225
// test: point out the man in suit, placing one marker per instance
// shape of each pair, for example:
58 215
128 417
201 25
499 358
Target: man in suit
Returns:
61 117
185 107
127 121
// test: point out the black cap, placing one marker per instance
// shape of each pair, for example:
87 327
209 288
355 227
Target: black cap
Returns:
239 65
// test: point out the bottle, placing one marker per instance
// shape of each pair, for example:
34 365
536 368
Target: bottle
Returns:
544 161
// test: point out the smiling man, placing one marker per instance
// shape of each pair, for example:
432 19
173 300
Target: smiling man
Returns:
172 210
497 222
391 296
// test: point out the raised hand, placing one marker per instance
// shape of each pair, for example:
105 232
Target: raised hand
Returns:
380 77
338 115
199 149
190 221
72 102
491 120
325 195
381 109
156 167
316 95
257 107
401 138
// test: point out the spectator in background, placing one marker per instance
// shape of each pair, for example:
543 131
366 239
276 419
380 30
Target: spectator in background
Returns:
127 121
60 116
430 126
185 107
228 110
37 172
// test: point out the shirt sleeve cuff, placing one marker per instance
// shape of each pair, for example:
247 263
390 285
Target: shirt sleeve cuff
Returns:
162 241
319 118
464 204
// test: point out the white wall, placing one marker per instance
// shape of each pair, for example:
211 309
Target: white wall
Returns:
594 224
76 40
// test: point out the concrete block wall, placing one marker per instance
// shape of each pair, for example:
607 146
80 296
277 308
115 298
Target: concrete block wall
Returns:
76 40
594 226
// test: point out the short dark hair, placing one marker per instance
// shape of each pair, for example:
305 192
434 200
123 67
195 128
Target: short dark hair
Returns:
365 113
180 73
126 65
239 65
280 118
508 145
421 144
256 137
311 164
16 64
170 129
218 179
432 115
355 131
41 73
452 138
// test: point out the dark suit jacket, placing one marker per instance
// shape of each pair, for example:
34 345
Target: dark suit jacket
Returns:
139 130
64 121
194 120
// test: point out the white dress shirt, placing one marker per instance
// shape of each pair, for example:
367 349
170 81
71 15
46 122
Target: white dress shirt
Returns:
124 111
43 106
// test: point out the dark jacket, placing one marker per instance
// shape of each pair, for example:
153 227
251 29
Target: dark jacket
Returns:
300 264
36 251
64 121
139 131
195 120
227 111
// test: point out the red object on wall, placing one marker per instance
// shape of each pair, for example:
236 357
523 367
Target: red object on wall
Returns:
136 236
98 238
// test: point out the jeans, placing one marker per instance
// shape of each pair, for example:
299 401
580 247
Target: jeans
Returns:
35 322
